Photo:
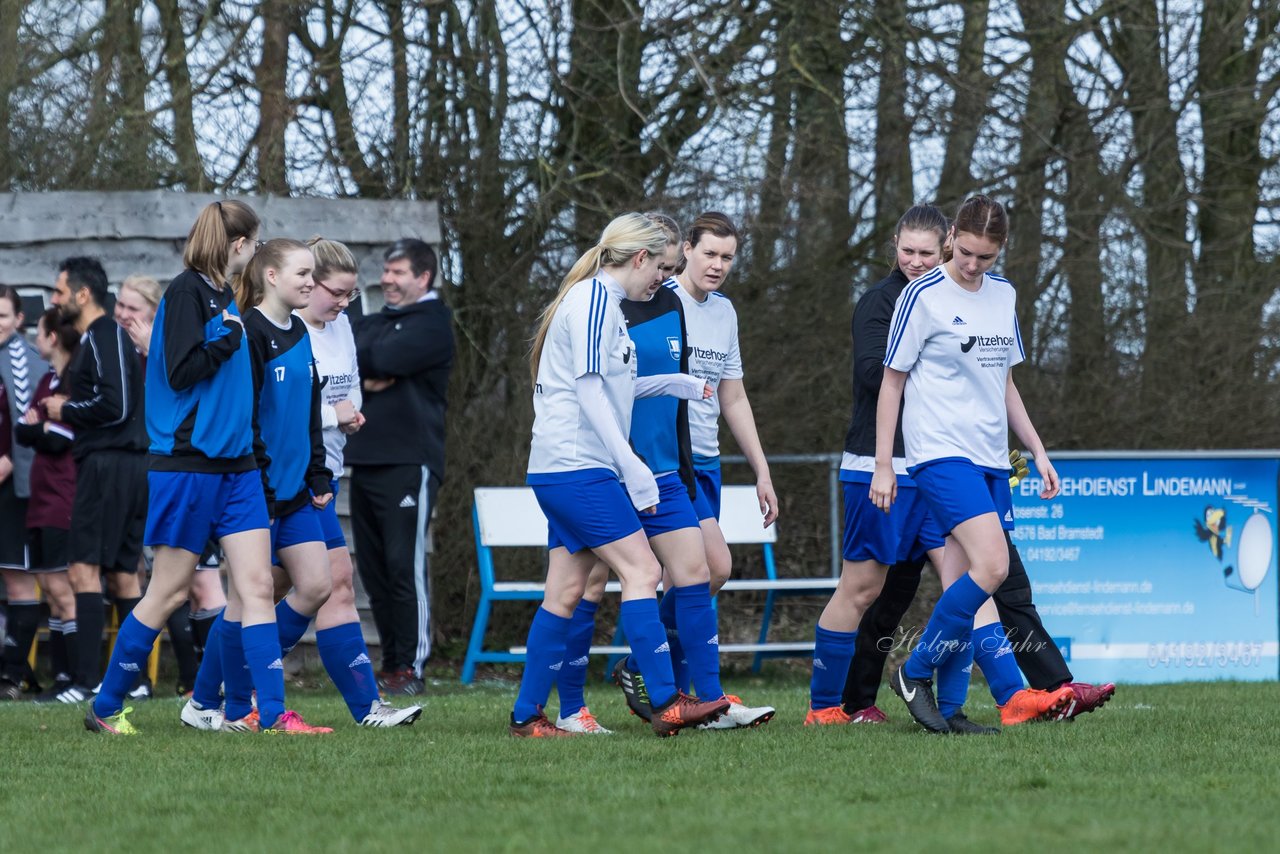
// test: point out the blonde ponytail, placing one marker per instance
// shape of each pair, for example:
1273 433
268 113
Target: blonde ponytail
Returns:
623 239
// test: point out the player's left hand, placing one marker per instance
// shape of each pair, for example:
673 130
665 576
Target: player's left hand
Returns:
1049 476
768 501
321 501
708 392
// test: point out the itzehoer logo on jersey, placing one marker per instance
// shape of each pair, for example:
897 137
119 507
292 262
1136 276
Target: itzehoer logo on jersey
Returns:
985 341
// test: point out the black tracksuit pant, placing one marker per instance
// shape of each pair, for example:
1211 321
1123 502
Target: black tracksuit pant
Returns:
390 510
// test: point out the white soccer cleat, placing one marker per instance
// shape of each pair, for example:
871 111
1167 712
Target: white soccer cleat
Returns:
740 716
384 714
582 721
197 717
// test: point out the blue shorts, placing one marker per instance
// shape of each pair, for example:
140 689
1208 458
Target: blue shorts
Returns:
674 511
906 532
706 503
301 526
584 509
957 490
185 508
329 524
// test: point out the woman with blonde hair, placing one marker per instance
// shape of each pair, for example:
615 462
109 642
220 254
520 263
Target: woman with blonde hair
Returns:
339 637
584 372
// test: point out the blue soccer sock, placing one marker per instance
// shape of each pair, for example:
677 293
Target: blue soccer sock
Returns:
292 625
832 653
679 661
572 680
701 639
951 618
346 660
128 662
262 652
206 691
543 662
649 648
953 677
995 656
237 681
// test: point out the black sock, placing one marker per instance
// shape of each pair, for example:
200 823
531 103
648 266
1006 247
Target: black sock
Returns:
20 629
58 651
184 647
90 621
201 625
124 607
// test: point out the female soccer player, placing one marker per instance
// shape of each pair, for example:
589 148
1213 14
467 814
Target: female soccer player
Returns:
53 491
135 310
587 479
339 638
290 454
712 324
659 433
203 479
873 541
954 337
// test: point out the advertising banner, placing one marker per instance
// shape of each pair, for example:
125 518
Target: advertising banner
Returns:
1158 568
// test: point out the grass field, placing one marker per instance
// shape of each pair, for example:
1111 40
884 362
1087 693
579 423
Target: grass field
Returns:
1180 767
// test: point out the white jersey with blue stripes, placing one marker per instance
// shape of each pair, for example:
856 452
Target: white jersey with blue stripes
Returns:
712 326
588 335
957 347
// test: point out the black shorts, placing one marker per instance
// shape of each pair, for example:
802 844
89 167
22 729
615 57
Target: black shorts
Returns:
110 510
13 528
48 548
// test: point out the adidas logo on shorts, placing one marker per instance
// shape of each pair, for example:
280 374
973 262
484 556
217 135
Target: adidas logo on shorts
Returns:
408 501
715 640
818 665
130 666
360 659
276 665
556 667
579 662
666 647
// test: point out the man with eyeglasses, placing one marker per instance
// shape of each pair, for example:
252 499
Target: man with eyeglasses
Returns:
405 353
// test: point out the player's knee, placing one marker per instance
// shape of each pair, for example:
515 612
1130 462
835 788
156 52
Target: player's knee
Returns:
593 590
314 591
720 567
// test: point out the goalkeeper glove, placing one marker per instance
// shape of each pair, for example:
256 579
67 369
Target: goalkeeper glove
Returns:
1019 464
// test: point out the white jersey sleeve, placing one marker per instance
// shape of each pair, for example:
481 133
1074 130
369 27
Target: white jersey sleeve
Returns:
584 320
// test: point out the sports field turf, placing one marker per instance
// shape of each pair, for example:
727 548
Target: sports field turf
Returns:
1182 767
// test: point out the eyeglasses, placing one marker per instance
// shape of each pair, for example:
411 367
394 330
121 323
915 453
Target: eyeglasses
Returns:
340 296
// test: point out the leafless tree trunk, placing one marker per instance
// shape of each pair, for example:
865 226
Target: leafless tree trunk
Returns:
274 109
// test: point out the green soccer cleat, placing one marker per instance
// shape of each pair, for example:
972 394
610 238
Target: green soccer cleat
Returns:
117 724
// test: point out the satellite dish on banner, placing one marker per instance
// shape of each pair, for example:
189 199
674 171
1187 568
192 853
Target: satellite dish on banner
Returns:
1254 549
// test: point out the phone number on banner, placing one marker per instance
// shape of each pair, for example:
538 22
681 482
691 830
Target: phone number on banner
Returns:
1205 654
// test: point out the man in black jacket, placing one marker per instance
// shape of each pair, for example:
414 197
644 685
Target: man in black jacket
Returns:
104 407
405 354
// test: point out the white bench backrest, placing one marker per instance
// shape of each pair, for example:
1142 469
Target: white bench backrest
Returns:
740 517
510 516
